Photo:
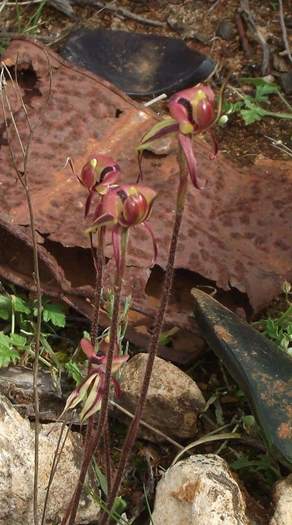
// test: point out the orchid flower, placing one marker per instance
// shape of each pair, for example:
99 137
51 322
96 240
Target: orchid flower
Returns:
192 112
97 175
122 207
91 388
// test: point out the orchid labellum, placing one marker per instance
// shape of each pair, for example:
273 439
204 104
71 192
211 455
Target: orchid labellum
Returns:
192 112
90 390
122 207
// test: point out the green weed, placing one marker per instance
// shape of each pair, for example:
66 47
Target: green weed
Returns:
18 316
255 107
279 328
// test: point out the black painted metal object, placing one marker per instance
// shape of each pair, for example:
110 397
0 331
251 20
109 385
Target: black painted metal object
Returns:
263 371
139 64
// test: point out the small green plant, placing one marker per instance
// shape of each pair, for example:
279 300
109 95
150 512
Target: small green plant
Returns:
253 108
18 316
279 328
260 466
23 24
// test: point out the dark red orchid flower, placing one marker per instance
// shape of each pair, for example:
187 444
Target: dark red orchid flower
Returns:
97 175
192 112
122 207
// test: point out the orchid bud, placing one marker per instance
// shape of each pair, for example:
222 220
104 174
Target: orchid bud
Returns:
193 109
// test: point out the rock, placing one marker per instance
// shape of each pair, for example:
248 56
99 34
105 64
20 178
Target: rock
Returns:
225 30
283 502
199 490
173 400
286 81
17 466
16 383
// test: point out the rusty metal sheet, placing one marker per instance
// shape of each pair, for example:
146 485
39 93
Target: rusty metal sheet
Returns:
236 233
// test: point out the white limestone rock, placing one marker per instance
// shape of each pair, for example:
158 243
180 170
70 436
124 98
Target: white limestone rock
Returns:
17 471
199 490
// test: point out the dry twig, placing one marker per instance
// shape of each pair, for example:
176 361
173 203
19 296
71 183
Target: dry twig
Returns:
121 12
23 177
257 33
284 30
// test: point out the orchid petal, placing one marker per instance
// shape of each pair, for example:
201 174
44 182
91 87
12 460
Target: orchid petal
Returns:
87 348
104 220
187 147
117 387
118 362
88 203
155 249
78 394
165 127
71 402
91 404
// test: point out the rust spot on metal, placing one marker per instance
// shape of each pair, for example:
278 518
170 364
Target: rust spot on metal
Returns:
223 334
285 431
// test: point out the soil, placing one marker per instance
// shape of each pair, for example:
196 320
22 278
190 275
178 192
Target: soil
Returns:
198 22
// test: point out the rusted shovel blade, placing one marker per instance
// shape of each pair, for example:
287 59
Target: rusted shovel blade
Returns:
139 64
262 370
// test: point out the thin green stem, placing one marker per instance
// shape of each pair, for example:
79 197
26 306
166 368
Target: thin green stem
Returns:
287 116
154 343
70 515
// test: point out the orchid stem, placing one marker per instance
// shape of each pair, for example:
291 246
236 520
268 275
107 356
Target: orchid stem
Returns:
98 263
154 342
69 518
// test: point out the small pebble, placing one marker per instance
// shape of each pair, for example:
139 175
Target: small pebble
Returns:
225 30
286 81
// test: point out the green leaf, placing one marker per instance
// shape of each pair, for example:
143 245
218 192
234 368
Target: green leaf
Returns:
5 307
73 371
4 340
7 354
101 478
54 313
252 115
264 90
20 305
119 506
18 340
232 107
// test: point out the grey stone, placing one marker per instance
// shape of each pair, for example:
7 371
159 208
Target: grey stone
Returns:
173 402
225 30
283 502
286 81
17 471
199 490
